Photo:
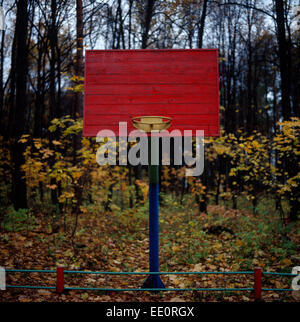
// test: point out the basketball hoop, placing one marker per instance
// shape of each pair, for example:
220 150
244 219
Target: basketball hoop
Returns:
151 123
188 90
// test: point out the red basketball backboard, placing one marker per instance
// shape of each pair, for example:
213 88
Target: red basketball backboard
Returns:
182 84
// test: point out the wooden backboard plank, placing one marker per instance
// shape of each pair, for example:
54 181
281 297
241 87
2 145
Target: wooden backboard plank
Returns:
160 108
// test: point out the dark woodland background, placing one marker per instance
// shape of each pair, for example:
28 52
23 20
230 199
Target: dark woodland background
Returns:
242 211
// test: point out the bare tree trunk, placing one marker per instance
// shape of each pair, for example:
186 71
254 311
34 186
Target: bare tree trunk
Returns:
52 76
52 85
79 54
202 24
285 75
1 77
147 22
130 23
130 184
40 90
283 60
19 198
78 106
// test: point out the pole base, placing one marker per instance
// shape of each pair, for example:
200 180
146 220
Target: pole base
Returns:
153 281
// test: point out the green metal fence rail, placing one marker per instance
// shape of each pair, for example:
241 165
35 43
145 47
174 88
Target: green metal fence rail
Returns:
60 287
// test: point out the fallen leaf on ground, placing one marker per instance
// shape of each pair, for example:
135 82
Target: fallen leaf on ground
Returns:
177 299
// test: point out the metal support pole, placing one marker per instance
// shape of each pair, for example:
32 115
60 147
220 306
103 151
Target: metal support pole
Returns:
59 280
257 283
153 281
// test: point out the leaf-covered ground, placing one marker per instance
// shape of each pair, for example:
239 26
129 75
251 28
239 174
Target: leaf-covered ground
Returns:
220 240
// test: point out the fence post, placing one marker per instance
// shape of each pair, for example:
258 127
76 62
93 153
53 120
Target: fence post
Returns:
257 283
59 280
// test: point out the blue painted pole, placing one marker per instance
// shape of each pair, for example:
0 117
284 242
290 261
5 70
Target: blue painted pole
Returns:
153 228
153 281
